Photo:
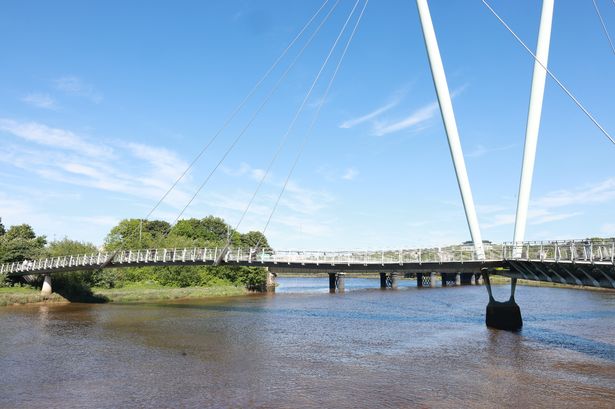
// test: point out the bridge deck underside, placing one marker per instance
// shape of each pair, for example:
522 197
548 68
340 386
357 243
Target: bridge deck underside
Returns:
574 273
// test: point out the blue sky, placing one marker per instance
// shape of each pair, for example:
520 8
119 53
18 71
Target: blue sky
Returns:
103 104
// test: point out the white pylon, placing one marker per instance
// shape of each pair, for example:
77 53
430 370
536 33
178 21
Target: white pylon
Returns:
533 124
448 117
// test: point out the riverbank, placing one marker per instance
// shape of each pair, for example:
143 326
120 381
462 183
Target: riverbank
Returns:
134 293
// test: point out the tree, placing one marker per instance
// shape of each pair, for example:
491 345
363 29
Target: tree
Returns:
22 231
69 247
254 239
20 243
2 230
207 232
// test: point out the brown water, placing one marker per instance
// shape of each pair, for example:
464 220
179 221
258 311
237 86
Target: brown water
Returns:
366 348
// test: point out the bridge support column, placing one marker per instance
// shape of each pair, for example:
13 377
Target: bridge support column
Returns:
472 279
270 286
458 279
336 282
393 280
419 279
383 280
46 285
503 315
466 278
479 279
432 280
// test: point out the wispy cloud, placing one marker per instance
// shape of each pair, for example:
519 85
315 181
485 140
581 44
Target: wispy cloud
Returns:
393 101
350 174
552 206
44 101
367 117
53 137
73 85
481 150
416 118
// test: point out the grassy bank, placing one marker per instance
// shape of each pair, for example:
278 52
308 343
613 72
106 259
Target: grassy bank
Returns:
140 292
24 295
132 293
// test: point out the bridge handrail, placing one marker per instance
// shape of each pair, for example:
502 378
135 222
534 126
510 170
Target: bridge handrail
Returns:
248 255
588 250
560 250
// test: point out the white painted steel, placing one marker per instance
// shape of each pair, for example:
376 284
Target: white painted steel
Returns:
533 123
450 125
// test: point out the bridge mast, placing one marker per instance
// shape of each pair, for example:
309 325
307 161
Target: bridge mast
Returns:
450 125
533 123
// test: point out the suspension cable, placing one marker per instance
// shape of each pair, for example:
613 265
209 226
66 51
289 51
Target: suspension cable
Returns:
293 122
315 118
606 32
576 101
255 114
237 109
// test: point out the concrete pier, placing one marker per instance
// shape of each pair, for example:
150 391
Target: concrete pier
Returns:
458 279
472 279
503 315
46 285
432 280
271 282
336 282
393 280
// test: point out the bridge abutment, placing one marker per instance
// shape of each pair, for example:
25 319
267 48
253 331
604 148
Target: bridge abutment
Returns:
46 290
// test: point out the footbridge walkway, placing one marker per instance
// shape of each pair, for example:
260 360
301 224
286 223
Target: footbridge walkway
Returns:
576 262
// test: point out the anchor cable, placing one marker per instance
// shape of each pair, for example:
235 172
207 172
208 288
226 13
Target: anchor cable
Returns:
606 32
294 120
315 119
255 114
576 101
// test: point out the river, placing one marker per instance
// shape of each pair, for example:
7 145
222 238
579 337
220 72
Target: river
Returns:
306 348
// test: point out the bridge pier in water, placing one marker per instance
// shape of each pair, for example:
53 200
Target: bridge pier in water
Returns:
336 282
503 315
388 280
46 290
271 281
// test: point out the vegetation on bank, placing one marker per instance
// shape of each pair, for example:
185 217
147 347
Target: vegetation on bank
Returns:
20 243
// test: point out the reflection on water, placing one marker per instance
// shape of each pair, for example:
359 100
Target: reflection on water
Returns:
306 348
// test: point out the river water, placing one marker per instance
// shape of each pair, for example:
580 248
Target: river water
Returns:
305 348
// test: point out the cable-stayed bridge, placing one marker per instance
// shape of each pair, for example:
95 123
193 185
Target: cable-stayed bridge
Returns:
580 262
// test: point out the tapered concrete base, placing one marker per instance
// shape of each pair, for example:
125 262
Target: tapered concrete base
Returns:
46 285
504 315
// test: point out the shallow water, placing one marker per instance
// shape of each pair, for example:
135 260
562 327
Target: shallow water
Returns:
305 348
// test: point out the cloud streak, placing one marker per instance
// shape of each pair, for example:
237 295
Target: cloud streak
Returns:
44 101
73 85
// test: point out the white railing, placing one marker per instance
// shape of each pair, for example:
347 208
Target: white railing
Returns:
571 250
591 251
249 256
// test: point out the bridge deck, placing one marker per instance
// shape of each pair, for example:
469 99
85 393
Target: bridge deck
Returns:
577 263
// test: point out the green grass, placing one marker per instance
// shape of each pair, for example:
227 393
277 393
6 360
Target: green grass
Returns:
25 295
134 292
142 292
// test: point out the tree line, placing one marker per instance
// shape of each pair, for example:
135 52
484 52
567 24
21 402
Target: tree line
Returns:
20 242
